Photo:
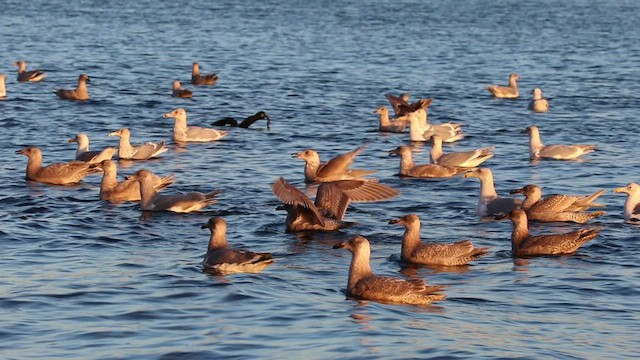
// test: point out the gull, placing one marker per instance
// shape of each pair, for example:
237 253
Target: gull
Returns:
179 92
506 92
58 173
429 171
421 130
197 79
80 93
489 202
447 254
128 190
331 203
3 89
151 200
538 103
364 284
397 125
558 207
523 244
332 170
401 105
466 159
538 150
221 258
184 133
632 204
28 76
92 157
144 151
229 121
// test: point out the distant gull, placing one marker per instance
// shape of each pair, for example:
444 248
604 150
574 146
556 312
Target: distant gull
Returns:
489 202
28 76
80 93
632 204
57 173
466 159
538 103
90 156
128 190
229 121
332 170
428 171
3 89
179 92
364 284
184 133
144 151
221 258
506 92
205 79
538 150
558 207
397 125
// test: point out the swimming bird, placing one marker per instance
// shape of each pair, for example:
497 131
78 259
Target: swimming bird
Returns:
229 121
538 103
538 150
421 130
523 244
558 207
429 171
221 258
206 79
632 204
3 89
506 92
364 284
489 202
58 173
443 254
184 133
179 92
80 93
151 200
466 159
331 203
128 190
397 125
332 170
92 157
28 76
144 151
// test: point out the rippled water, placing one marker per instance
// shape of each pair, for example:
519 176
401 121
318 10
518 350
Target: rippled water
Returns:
86 279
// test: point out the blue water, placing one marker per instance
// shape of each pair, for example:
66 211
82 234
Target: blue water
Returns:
85 279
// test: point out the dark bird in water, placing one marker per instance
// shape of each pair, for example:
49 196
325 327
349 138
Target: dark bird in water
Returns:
229 121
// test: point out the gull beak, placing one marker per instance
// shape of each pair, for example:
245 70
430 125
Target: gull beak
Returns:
115 133
619 190
516 191
395 221
340 245
73 140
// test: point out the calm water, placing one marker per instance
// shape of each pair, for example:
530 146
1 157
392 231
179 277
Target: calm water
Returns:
86 279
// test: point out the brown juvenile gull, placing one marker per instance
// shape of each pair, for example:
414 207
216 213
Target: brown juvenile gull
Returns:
428 171
448 254
232 122
128 190
28 76
632 204
205 79
57 173
331 203
465 159
3 89
151 200
397 125
179 92
538 103
90 156
506 92
332 170
558 207
538 150
489 202
399 103
144 151
80 93
523 244
223 259
364 284
421 130
184 133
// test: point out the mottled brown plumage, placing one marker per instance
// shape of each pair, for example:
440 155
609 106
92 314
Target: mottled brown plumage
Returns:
128 190
506 92
202 79
80 93
427 171
558 207
57 173
332 170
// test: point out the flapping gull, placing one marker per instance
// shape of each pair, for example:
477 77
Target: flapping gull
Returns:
428 171
204 79
506 92
632 204
523 244
128 190
184 133
538 103
538 150
28 76
364 284
332 170
232 122
444 254
489 202
151 200
466 159
421 130
558 207
136 152
397 125
57 173
331 203
80 93
179 92
221 258
401 105
92 157
3 89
